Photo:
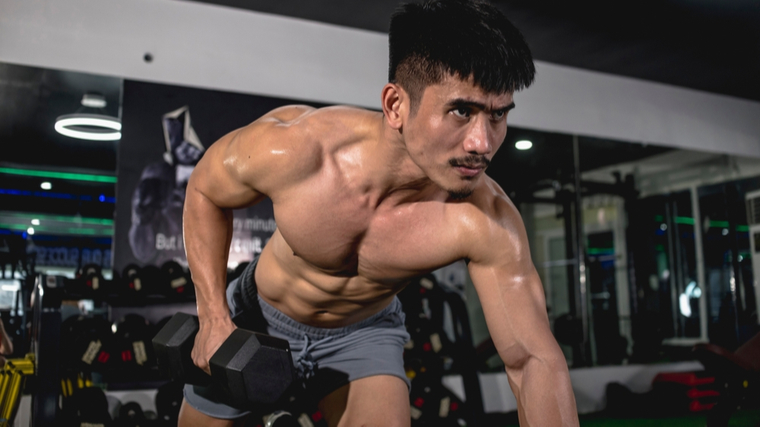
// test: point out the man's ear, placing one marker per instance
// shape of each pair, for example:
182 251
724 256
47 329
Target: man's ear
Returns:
395 103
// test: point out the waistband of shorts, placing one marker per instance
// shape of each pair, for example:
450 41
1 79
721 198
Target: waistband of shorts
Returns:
286 324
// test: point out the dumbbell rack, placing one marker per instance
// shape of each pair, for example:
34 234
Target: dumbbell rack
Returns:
49 291
46 346
424 303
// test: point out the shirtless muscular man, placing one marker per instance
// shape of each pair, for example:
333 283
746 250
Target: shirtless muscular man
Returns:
364 202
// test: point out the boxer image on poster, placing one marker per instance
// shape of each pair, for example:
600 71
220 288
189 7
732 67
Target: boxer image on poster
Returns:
156 232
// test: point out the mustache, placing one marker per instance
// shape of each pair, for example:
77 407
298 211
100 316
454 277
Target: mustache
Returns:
473 162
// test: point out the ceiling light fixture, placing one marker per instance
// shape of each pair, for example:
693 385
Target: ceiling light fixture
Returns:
46 185
94 125
523 145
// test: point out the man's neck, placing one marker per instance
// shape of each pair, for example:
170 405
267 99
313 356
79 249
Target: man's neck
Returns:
391 172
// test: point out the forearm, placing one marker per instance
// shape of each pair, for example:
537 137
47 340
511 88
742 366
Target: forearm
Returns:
207 232
543 392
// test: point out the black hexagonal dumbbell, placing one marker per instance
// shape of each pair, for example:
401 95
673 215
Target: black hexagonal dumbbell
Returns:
249 368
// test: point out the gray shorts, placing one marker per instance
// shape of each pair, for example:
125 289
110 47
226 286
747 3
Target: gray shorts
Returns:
325 358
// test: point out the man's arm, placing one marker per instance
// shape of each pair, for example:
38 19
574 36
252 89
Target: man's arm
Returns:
237 171
512 297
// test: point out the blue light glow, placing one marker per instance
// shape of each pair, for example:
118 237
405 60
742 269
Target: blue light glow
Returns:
50 195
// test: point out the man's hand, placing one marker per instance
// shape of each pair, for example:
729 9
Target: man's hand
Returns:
211 335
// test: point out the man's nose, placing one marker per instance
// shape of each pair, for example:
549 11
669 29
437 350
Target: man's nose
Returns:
478 140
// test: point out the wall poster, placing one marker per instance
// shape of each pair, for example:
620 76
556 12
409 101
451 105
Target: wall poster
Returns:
166 130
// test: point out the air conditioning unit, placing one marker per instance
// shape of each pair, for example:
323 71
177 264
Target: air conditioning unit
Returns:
753 218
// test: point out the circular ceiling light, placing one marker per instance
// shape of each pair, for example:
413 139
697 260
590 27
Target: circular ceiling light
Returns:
523 145
93 127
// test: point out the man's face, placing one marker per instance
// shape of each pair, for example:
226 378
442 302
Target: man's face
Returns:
455 132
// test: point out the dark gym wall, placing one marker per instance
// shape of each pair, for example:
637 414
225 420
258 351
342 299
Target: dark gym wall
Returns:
158 237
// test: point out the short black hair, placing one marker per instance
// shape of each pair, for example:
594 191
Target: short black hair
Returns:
463 38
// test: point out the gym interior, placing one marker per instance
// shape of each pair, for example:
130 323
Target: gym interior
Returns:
639 190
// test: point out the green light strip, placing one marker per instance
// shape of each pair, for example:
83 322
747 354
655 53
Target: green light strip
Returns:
91 231
43 217
719 224
744 228
65 230
684 220
600 251
60 175
678 220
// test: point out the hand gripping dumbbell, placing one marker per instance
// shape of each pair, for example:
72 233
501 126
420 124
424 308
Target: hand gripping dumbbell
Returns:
249 368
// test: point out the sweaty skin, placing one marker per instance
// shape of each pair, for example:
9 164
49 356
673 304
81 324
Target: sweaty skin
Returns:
365 201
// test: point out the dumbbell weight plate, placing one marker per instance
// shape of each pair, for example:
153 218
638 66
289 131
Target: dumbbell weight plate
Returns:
252 367
132 338
89 343
93 276
177 283
89 281
132 287
173 345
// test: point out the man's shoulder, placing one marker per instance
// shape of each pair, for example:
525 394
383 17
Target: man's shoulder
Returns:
488 204
299 115
487 220
309 125
290 143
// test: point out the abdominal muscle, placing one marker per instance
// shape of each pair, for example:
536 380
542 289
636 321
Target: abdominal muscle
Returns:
314 297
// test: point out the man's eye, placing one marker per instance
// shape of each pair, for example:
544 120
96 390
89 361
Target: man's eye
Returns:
498 115
461 112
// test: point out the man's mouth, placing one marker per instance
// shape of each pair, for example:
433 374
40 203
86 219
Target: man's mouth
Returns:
469 170
470 166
